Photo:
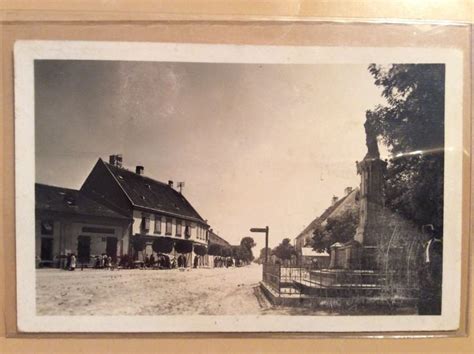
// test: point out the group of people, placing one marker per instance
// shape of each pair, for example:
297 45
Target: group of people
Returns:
103 261
220 262
161 262
71 261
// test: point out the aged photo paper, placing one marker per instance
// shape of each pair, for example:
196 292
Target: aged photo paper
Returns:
173 187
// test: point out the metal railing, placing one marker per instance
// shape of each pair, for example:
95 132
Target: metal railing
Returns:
272 276
281 278
288 279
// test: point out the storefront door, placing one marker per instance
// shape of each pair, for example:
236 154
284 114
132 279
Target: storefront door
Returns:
111 247
46 249
83 249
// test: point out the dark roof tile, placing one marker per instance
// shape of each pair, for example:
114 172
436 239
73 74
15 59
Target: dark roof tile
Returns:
148 193
70 201
216 239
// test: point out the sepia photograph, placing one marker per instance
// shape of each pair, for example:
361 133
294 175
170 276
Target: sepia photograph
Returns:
193 188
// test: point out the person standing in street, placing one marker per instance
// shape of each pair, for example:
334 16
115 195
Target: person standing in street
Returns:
73 262
196 261
431 273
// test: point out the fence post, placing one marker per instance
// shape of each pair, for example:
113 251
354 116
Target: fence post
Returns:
279 279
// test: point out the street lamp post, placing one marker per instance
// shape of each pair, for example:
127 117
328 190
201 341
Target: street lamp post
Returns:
265 230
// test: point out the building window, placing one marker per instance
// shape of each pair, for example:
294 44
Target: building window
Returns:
145 223
178 227
157 224
168 226
187 231
47 227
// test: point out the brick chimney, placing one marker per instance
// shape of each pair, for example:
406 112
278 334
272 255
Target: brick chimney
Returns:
116 160
140 170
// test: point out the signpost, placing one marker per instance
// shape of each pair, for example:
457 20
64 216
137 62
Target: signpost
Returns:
265 230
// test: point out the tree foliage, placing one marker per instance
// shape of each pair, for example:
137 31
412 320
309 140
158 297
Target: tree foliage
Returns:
183 246
215 249
413 118
412 126
163 245
138 243
200 250
284 250
243 252
341 228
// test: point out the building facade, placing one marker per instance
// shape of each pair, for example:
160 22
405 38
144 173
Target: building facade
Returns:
163 220
69 222
338 206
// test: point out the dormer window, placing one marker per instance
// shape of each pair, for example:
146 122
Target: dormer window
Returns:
47 227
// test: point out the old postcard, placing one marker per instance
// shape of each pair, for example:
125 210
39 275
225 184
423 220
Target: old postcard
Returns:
173 187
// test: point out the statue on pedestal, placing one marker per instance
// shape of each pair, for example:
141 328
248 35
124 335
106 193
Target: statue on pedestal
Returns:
371 140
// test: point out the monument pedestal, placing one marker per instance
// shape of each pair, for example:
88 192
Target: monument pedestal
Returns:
353 256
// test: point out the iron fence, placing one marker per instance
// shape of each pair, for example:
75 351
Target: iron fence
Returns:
271 276
281 278
289 280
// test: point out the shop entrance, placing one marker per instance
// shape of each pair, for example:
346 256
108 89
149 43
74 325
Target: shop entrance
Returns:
111 247
83 249
46 249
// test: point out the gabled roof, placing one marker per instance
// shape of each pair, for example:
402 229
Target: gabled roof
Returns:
216 239
153 195
70 201
347 202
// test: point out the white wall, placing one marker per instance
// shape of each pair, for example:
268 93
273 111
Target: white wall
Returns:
198 232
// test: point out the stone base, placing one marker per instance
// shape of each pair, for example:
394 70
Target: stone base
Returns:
354 256
347 278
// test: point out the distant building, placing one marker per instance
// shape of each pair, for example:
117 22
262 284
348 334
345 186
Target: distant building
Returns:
218 247
215 239
157 210
338 207
311 257
67 221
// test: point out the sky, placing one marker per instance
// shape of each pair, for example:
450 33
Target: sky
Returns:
255 144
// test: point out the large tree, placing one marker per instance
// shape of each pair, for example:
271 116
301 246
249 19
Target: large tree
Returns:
284 250
340 228
246 245
411 124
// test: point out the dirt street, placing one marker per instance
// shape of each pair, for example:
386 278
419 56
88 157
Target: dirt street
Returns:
219 291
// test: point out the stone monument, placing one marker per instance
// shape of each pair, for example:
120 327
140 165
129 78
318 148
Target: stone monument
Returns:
371 213
361 252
